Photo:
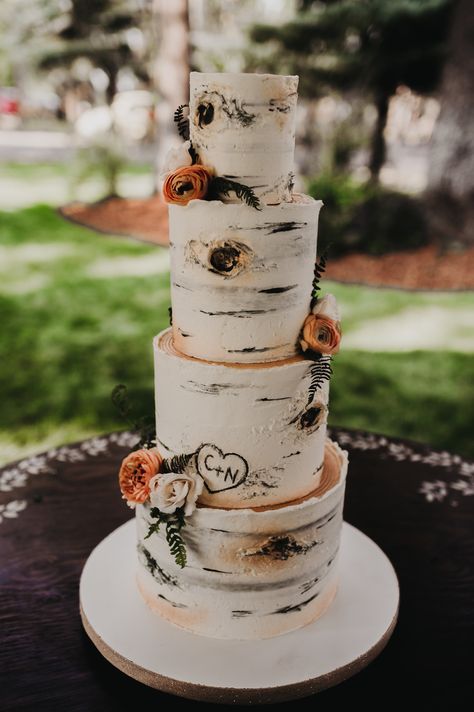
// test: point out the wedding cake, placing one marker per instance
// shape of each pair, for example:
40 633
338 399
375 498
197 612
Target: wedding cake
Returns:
239 493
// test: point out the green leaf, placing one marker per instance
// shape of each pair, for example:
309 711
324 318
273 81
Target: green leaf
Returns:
223 186
320 372
174 538
153 528
174 523
182 121
319 269
178 463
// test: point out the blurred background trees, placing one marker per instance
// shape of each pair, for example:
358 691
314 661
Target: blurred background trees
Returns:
369 47
384 138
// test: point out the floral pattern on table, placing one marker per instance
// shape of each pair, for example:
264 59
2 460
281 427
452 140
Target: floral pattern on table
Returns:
460 484
432 490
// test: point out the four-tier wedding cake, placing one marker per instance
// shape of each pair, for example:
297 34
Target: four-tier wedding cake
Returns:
239 493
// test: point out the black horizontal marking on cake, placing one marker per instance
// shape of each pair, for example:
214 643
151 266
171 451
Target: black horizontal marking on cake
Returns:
212 389
326 520
216 571
269 400
180 286
294 608
241 614
276 105
308 585
172 603
155 570
286 226
277 290
292 454
268 485
251 350
241 314
222 531
329 561
163 444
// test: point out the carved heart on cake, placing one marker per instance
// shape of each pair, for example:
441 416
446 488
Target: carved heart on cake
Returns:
220 471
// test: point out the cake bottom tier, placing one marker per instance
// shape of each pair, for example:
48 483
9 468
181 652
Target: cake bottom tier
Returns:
251 573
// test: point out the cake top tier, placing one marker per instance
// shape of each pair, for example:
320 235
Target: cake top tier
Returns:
243 126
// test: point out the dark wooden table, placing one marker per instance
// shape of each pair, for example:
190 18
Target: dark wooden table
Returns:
416 503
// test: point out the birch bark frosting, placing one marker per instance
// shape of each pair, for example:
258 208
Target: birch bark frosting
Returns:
239 493
243 125
241 278
257 416
250 574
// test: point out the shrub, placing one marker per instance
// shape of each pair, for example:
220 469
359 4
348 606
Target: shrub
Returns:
360 217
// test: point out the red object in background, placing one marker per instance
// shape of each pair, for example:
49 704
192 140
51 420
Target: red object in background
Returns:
9 101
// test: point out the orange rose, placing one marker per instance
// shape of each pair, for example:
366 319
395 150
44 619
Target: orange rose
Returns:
186 183
136 471
321 334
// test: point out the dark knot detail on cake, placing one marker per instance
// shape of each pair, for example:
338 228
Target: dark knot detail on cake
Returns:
224 259
205 112
220 471
231 107
312 416
281 548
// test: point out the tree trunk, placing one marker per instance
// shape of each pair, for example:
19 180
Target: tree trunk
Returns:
450 194
171 73
378 148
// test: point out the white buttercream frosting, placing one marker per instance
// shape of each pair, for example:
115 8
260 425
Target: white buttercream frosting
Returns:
270 437
251 307
250 574
243 125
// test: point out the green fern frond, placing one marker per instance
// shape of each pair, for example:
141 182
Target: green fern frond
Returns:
319 269
321 371
223 186
178 463
175 540
174 523
182 121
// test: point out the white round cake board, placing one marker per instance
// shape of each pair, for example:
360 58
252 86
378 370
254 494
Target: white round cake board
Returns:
350 635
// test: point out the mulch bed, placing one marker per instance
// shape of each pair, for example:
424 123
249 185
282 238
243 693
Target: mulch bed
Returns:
425 268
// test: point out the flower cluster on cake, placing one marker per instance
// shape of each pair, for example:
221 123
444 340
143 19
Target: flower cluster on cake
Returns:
237 491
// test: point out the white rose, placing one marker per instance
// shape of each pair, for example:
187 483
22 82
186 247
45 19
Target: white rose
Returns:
328 307
172 490
177 158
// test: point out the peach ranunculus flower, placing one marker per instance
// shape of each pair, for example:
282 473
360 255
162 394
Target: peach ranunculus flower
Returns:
322 328
170 491
136 471
187 183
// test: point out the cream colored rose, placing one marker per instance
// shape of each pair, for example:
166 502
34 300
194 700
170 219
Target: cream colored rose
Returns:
177 158
328 307
172 490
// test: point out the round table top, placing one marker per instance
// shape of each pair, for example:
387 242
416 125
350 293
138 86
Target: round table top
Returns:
414 502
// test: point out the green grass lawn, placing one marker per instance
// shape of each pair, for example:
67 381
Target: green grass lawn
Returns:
79 310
